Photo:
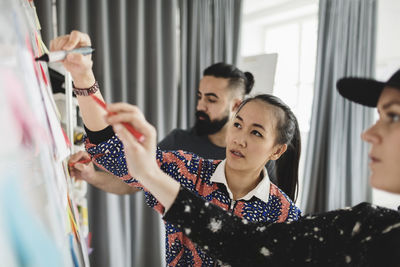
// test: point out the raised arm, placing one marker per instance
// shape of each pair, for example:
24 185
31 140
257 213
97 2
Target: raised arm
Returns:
80 67
140 157
361 236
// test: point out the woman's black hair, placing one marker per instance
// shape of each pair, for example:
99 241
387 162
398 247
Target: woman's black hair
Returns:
287 166
237 78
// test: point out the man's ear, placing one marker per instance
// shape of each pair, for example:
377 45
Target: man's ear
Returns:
236 104
279 151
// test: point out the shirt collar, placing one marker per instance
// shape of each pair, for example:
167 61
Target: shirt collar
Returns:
261 191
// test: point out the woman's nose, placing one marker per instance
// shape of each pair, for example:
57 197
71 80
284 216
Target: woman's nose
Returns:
371 135
240 140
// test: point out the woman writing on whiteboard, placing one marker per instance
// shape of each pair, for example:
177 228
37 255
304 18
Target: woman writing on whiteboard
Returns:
263 129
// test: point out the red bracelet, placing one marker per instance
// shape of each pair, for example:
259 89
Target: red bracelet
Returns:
86 91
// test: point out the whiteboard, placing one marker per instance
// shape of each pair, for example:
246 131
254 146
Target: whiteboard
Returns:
39 216
263 68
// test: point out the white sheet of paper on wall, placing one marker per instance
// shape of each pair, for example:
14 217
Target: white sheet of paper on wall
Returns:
61 150
263 68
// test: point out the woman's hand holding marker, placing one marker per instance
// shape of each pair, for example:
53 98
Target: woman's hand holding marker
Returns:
80 66
128 126
140 155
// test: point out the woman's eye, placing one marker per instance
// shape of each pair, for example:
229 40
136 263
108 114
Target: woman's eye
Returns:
256 133
237 125
393 117
211 101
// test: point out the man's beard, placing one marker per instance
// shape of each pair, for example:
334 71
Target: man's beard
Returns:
206 126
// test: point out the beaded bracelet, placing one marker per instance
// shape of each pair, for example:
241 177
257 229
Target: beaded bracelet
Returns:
86 91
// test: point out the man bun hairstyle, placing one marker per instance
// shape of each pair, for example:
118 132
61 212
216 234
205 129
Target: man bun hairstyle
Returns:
237 78
249 83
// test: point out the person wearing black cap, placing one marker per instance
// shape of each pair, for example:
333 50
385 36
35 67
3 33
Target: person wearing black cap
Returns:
363 235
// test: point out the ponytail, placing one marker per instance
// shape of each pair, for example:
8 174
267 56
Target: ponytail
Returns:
287 167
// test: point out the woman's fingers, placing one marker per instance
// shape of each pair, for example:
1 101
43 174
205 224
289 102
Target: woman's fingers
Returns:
120 107
74 166
77 39
58 43
83 171
78 61
78 65
126 137
135 119
70 41
79 166
125 113
78 156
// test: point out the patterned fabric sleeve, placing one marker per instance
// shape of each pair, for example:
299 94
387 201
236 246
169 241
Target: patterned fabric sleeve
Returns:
109 156
294 213
360 236
289 211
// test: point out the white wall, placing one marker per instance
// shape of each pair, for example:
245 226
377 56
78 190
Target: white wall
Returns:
388 35
387 62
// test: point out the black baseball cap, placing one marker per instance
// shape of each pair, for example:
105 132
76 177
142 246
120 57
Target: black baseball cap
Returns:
366 91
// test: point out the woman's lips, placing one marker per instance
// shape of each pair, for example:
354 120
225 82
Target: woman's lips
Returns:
374 160
237 153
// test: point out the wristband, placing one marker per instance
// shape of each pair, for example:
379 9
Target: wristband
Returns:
86 91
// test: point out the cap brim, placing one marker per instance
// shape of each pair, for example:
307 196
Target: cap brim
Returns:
362 91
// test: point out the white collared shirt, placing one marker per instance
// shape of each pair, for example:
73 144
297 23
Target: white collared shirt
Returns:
261 191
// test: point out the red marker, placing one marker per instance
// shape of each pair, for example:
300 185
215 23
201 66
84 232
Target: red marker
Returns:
133 131
83 161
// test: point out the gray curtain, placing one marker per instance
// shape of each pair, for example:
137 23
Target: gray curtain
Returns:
209 34
135 62
336 170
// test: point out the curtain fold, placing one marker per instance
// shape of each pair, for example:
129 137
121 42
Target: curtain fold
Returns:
336 167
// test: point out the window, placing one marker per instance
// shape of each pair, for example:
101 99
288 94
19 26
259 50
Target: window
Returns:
288 28
295 44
